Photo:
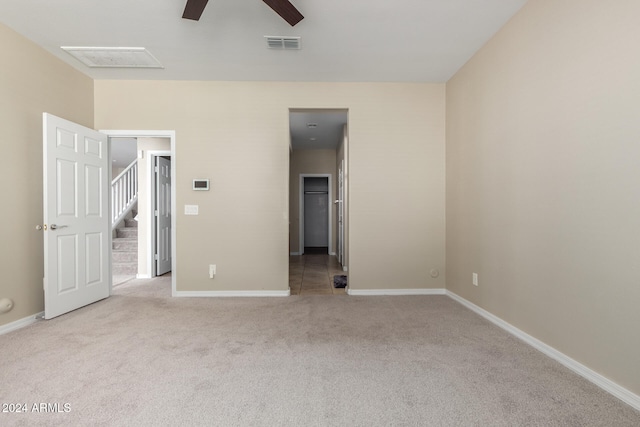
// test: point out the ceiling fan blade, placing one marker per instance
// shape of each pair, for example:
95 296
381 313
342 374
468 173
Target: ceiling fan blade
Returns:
286 10
193 9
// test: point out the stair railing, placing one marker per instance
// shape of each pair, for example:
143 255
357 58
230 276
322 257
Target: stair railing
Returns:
124 193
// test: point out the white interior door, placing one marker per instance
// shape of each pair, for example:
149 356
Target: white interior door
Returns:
316 212
76 221
340 203
163 215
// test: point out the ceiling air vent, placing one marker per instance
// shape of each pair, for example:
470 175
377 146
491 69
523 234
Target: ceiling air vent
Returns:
281 42
113 57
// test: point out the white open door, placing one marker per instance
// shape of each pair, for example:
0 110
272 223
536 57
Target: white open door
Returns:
340 203
76 221
163 215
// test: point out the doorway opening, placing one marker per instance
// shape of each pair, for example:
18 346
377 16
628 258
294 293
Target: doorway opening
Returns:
315 218
78 258
124 209
318 157
142 238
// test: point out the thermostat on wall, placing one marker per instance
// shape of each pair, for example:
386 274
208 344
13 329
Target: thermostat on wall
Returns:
201 184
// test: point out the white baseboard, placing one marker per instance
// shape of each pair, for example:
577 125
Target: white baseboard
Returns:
332 253
143 276
18 324
294 253
606 384
388 292
218 294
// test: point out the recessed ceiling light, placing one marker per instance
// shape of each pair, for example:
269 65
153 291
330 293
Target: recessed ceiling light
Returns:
312 125
312 139
113 57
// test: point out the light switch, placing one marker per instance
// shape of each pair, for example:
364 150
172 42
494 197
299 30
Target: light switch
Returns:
191 209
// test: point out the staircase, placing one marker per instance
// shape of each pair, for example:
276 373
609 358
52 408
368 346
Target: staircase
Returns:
124 199
125 249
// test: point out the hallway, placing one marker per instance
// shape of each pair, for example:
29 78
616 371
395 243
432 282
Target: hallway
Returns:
312 274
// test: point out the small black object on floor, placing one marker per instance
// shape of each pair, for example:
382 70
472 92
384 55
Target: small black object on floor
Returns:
339 281
316 250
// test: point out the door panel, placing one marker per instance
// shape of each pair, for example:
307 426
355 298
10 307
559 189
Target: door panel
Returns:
93 258
67 254
66 177
76 239
316 212
93 191
163 207
340 213
315 220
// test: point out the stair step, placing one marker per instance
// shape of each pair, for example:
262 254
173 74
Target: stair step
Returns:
127 232
125 256
130 223
125 244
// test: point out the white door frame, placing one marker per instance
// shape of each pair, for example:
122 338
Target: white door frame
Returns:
151 249
172 138
329 210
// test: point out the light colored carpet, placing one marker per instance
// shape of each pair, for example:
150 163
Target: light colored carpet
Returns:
118 279
144 358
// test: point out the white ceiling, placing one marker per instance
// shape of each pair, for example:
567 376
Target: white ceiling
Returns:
123 151
342 40
325 135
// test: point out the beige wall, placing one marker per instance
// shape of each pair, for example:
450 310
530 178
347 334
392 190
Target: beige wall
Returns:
144 198
237 135
304 162
115 171
543 144
31 82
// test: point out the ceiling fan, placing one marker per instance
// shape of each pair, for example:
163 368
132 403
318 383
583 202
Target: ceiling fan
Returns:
194 8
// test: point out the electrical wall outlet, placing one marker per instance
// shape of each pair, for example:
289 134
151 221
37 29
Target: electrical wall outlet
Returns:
212 270
191 209
475 279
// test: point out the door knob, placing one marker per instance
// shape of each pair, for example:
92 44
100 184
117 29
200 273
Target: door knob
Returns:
55 227
41 227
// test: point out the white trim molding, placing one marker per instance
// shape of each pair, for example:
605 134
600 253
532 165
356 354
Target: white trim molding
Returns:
606 384
395 292
227 294
21 323
294 253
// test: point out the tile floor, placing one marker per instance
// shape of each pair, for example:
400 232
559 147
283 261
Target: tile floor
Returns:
308 275
313 275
